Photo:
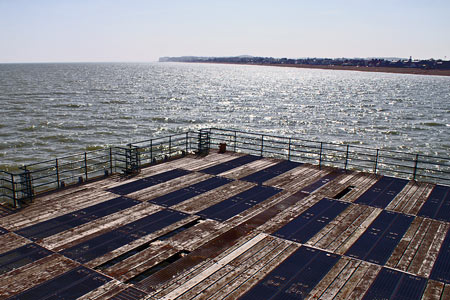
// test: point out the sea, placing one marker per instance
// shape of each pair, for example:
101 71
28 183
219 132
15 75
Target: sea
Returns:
54 109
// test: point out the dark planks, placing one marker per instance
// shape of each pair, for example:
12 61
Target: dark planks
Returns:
441 268
107 242
295 277
271 172
146 182
3 231
378 242
231 164
322 181
391 284
382 192
310 222
230 207
59 224
68 286
21 256
437 205
191 191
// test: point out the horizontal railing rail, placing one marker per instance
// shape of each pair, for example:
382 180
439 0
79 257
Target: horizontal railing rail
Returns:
411 166
36 178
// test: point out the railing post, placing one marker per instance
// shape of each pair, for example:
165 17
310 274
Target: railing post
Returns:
262 144
376 163
170 145
320 155
187 141
151 150
235 141
85 166
57 172
346 159
13 189
110 160
416 161
289 152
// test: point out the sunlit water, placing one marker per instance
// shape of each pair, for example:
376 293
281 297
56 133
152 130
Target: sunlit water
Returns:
49 110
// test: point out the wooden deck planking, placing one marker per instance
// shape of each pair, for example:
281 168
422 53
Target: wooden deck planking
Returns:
10 241
434 290
202 201
168 186
298 177
136 243
335 279
418 249
39 213
33 274
141 261
235 271
89 230
253 254
247 169
108 289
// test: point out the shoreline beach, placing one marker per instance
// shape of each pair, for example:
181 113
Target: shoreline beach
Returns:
413 71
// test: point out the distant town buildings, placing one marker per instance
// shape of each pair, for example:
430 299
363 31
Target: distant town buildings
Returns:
429 64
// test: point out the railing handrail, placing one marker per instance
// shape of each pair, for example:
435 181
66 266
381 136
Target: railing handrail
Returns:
53 172
328 143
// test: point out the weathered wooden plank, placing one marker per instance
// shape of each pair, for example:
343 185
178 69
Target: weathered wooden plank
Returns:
415 206
89 230
238 265
209 161
136 243
360 187
424 248
399 251
340 231
409 197
206 262
352 234
328 233
413 246
298 177
141 262
402 197
40 213
333 282
250 168
212 197
432 253
168 186
353 281
33 274
212 269
257 272
433 290
446 292
192 238
10 241
364 281
103 291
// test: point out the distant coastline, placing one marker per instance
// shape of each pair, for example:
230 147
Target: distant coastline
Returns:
413 71
399 66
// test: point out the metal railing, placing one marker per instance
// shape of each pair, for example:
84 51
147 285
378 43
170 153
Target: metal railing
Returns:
33 179
411 166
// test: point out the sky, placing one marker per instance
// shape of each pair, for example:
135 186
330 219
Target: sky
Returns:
144 30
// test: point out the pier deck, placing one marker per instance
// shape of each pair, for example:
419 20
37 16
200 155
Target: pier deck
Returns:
231 226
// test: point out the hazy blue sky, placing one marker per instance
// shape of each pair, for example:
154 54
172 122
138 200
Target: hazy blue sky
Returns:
139 30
